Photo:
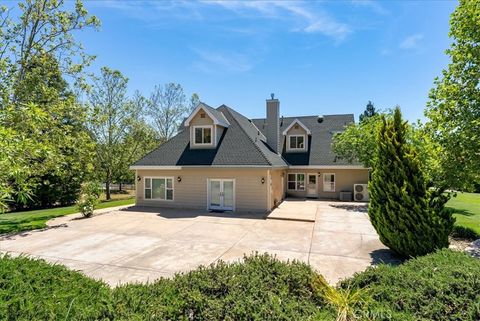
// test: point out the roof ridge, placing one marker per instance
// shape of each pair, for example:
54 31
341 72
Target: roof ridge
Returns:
244 131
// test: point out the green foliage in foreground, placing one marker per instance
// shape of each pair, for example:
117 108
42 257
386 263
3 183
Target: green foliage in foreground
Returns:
466 208
440 286
31 220
262 288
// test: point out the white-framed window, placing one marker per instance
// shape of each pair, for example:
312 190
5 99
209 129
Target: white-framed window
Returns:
159 188
202 135
296 182
296 142
329 182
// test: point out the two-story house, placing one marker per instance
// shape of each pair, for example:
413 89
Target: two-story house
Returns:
221 160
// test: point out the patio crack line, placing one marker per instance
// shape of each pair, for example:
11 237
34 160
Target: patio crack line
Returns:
231 247
311 235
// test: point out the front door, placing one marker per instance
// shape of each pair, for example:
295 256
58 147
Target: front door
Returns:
312 185
221 194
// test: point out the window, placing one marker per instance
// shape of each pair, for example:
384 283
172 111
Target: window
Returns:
296 182
159 188
296 142
203 135
328 182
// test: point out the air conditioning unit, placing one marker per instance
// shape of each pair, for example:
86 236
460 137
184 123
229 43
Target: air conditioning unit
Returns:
360 192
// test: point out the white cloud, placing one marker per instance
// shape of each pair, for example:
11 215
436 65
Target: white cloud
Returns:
411 42
212 62
310 20
374 5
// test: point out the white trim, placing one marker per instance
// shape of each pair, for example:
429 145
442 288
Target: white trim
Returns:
304 182
334 182
216 121
146 167
233 191
151 188
213 136
296 121
328 167
290 149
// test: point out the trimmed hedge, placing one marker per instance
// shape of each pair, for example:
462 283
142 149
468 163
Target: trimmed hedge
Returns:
36 290
440 286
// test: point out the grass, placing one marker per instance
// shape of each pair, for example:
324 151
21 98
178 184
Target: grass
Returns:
30 220
467 211
439 286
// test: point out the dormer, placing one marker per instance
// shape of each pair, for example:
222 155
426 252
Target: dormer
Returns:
296 137
206 125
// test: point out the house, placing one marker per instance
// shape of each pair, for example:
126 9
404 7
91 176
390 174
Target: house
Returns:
221 160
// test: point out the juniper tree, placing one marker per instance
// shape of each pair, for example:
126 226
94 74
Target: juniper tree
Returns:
410 218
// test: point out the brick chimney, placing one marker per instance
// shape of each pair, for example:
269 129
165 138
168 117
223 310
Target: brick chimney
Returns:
272 125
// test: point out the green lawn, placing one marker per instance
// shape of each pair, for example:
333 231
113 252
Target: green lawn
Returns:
467 210
30 220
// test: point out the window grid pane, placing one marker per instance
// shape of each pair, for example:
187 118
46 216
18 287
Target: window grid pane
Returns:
207 135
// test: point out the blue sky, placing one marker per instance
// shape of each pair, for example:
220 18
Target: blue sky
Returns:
320 57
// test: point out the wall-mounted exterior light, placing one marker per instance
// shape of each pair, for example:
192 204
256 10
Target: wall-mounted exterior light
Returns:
179 179
263 180
139 178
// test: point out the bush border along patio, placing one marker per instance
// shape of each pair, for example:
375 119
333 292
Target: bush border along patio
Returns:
439 286
30 220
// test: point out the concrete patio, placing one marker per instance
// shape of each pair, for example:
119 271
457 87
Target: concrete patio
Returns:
142 244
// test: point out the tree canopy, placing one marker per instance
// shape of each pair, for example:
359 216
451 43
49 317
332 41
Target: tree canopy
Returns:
454 106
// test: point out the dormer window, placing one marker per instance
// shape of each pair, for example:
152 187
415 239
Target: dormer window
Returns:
203 135
296 142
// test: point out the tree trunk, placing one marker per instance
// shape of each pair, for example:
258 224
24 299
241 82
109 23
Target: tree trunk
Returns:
107 190
120 186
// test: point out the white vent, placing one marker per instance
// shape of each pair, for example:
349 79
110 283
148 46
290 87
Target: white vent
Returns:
360 192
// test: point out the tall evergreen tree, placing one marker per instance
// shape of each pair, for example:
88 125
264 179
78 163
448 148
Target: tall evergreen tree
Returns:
409 218
370 111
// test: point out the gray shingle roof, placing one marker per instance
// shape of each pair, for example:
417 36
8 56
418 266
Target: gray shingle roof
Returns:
243 143
320 143
240 145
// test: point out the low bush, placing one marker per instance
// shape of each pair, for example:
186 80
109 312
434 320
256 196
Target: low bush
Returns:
89 198
261 288
440 286
35 290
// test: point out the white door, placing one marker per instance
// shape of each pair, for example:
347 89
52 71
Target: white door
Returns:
221 194
312 185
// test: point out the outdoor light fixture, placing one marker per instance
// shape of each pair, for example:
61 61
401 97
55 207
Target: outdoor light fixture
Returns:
179 179
139 178
263 180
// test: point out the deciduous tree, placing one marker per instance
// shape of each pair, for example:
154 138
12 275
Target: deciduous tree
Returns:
454 106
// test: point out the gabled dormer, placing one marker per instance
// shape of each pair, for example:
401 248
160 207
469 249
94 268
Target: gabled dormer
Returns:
296 137
206 125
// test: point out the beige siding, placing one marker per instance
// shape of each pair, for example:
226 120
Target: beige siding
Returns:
277 188
191 192
344 180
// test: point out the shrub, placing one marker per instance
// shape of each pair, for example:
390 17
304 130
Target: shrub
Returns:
410 219
89 198
441 286
261 288
35 290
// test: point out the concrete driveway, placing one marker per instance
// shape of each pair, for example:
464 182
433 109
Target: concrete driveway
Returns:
141 244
